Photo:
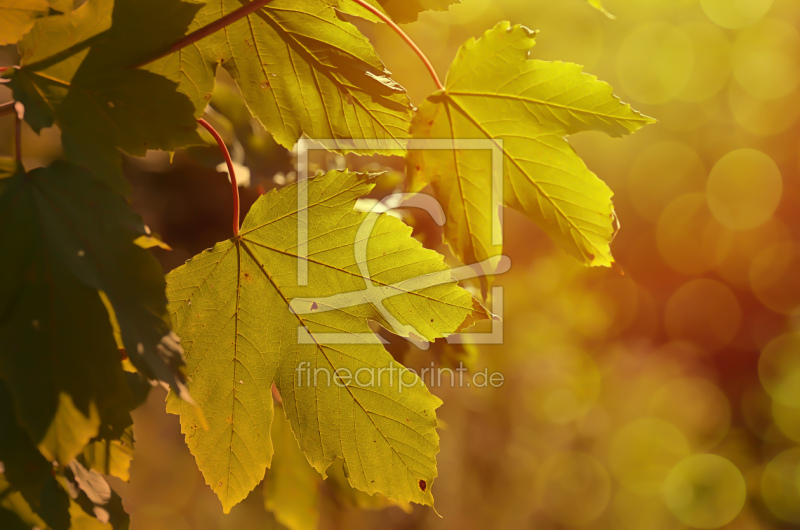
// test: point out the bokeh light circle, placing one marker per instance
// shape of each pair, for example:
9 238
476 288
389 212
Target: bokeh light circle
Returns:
689 238
744 189
787 419
774 279
779 369
662 172
735 14
779 486
642 453
764 117
734 266
711 69
573 488
705 312
765 59
563 384
705 491
697 407
655 62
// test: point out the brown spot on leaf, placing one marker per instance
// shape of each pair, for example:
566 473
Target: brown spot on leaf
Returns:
314 306
423 485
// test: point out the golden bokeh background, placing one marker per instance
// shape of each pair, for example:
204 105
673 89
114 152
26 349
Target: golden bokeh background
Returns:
661 395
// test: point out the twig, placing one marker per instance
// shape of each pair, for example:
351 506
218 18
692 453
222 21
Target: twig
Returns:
231 172
207 30
18 137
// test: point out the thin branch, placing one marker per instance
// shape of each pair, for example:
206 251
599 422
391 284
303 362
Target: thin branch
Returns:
18 138
207 30
413 45
231 172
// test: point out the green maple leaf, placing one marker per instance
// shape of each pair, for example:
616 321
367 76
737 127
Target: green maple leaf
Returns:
15 512
292 486
246 322
524 108
111 456
75 73
72 238
17 18
27 471
401 11
301 70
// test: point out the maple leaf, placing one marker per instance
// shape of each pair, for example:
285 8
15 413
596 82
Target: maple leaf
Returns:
292 487
75 73
525 108
17 18
246 322
73 238
27 471
301 70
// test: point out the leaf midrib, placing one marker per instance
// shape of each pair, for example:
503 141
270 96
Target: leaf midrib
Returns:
328 359
638 117
522 170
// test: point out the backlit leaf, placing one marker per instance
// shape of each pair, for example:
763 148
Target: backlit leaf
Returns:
111 456
523 108
17 18
75 73
598 4
246 321
15 513
301 70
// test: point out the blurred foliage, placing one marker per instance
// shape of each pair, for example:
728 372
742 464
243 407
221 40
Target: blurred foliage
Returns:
666 397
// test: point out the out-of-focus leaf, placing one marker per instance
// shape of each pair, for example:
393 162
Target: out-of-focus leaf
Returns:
15 510
92 493
69 431
301 70
62 6
11 521
524 108
27 471
72 237
111 456
598 4
17 18
291 489
75 73
242 315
